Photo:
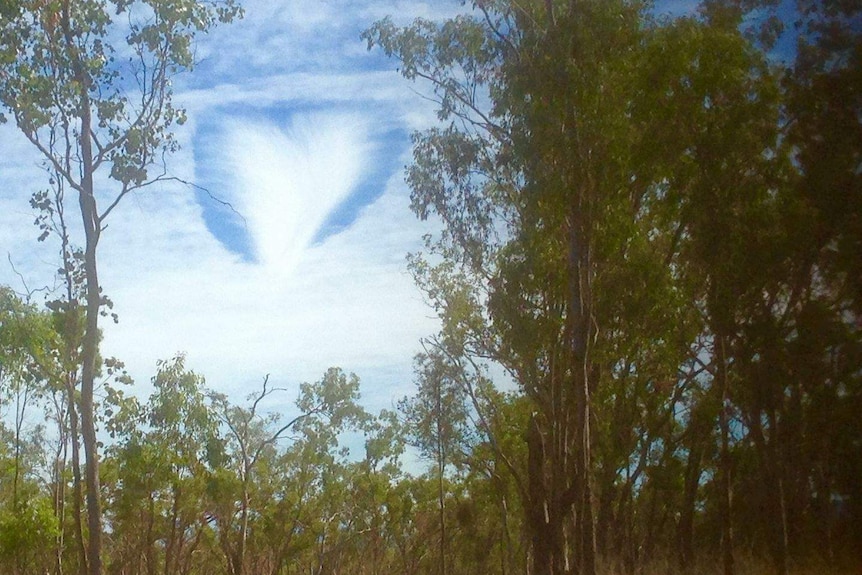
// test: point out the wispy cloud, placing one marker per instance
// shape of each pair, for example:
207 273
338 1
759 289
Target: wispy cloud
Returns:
288 179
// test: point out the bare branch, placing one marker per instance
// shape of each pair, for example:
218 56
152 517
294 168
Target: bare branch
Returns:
496 30
34 139
28 293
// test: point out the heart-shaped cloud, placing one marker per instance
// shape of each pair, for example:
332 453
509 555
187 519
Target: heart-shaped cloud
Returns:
288 180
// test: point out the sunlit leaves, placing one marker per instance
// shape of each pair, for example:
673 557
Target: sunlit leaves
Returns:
25 532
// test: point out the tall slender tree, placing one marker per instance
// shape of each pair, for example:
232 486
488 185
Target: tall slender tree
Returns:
87 106
436 422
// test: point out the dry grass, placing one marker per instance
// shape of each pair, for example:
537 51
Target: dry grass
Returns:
744 565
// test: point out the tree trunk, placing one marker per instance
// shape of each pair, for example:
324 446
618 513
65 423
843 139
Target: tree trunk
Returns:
698 435
441 469
90 348
70 375
725 503
579 306
538 506
685 529
77 487
172 544
239 563
587 521
773 485
60 502
90 344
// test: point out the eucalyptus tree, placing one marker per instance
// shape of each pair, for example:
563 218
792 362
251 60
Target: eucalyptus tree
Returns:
26 341
251 439
159 469
88 83
606 182
768 228
436 421
37 366
803 349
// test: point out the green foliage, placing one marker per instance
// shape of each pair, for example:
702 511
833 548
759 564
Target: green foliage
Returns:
25 533
650 228
436 417
27 339
54 53
333 397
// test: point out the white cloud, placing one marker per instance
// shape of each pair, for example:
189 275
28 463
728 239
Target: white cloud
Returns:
21 174
288 180
345 301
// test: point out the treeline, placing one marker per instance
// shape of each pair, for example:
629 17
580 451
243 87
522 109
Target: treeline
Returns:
192 483
647 277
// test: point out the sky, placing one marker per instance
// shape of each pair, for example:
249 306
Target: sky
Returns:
306 134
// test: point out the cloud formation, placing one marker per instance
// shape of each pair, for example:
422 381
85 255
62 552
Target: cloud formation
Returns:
288 180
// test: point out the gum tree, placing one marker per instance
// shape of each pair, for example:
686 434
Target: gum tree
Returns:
88 83
327 407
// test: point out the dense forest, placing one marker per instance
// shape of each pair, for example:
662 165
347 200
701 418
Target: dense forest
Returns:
647 277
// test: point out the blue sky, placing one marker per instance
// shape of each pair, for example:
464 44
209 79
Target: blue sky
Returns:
305 133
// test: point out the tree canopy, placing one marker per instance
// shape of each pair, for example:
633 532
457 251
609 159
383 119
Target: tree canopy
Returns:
646 275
